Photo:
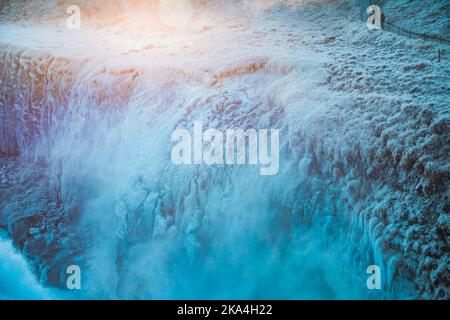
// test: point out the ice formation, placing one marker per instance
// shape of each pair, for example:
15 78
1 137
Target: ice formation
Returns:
86 118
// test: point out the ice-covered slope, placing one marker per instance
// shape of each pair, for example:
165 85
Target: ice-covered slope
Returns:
87 178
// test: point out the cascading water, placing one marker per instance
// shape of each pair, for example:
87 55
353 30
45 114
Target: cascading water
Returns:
157 230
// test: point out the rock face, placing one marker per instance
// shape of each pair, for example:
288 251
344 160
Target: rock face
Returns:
86 177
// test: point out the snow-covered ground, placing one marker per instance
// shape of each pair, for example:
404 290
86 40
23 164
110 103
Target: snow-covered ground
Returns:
86 175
